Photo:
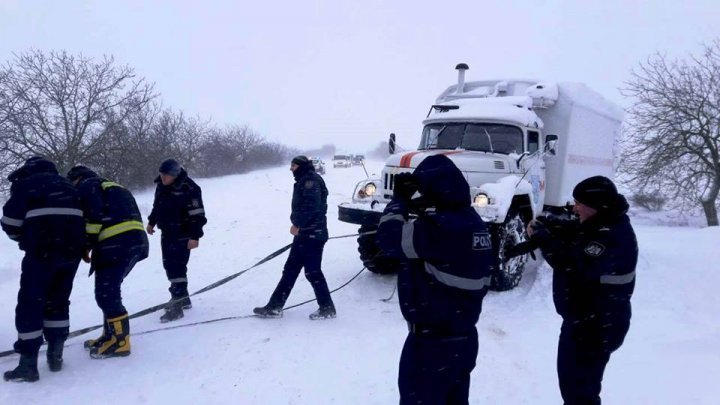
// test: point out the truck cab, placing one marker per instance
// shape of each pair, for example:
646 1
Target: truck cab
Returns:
522 145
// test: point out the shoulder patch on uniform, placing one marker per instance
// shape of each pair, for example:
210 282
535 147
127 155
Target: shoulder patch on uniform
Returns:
195 203
481 241
594 249
309 184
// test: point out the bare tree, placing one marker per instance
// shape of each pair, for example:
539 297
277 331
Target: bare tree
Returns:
76 110
65 107
226 151
672 144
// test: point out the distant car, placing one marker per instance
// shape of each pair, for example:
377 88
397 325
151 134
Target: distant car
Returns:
342 161
318 164
358 159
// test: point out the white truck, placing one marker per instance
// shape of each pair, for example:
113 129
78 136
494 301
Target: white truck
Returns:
522 146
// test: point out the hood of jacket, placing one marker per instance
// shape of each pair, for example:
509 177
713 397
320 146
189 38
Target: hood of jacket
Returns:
303 169
34 165
442 183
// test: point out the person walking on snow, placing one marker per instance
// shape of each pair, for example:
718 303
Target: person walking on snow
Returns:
179 213
309 230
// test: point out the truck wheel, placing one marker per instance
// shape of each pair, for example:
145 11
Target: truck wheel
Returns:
507 275
370 253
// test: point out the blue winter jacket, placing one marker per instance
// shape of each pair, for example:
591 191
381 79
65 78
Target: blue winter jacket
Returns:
178 208
593 266
43 213
446 251
113 220
309 203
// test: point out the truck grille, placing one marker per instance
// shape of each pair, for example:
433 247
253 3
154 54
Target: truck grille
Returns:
499 165
389 179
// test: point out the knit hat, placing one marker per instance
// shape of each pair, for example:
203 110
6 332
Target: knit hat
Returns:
170 167
596 192
300 160
80 172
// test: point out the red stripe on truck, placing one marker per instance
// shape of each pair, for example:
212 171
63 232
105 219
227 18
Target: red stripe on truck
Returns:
405 160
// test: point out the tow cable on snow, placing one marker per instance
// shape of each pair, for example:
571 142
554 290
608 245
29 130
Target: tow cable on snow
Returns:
392 294
214 285
227 318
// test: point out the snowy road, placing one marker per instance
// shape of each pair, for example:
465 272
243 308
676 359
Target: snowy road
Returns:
671 356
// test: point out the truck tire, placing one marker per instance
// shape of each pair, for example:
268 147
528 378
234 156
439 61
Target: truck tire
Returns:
506 275
370 253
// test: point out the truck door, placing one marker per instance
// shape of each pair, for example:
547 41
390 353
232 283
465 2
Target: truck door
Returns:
535 167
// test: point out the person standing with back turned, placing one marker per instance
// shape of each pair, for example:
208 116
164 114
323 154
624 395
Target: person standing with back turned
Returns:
43 215
179 213
445 255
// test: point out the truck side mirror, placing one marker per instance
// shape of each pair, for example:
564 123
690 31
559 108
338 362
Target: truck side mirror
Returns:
391 144
550 143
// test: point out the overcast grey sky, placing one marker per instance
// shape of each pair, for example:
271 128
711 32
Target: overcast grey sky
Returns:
307 73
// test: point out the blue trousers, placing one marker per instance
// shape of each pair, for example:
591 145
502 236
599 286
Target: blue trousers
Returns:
43 301
583 353
304 253
436 370
176 256
113 260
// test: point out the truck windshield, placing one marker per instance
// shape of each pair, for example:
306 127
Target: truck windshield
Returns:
479 137
340 157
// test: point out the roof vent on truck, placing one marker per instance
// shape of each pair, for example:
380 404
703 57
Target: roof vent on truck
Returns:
543 94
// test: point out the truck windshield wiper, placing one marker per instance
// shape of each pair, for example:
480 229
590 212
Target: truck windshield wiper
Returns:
489 140
437 137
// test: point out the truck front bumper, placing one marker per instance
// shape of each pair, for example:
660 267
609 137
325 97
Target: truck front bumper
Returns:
361 214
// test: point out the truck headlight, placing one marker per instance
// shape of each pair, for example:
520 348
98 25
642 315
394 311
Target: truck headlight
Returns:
370 189
481 200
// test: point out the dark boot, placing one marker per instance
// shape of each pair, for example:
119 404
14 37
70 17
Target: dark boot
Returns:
91 343
54 354
173 312
269 311
118 345
26 371
186 303
325 312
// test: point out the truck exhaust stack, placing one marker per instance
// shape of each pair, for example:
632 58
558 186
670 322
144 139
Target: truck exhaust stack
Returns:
461 68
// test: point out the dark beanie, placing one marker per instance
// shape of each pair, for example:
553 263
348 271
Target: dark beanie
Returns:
170 167
300 160
596 192
80 172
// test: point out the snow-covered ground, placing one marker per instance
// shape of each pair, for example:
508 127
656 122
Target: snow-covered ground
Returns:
671 355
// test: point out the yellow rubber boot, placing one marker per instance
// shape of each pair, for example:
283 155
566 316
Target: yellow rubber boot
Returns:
93 343
118 345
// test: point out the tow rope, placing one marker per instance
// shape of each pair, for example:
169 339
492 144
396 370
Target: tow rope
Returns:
207 288
228 318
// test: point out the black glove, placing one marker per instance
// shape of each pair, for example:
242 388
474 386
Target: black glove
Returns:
540 233
559 227
520 249
405 185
